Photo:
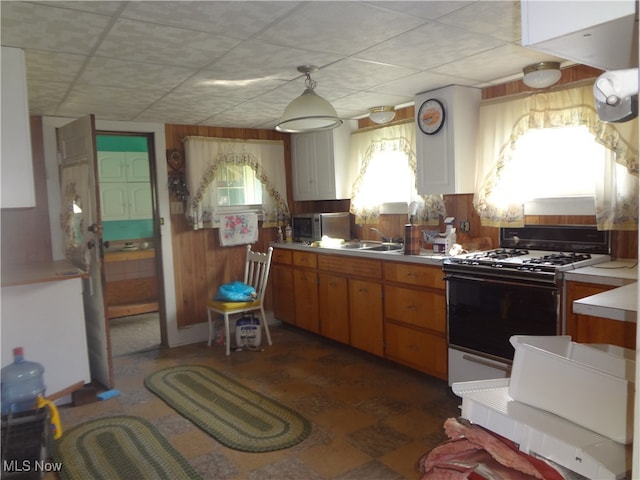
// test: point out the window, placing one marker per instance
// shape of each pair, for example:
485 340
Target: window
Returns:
237 185
388 179
553 163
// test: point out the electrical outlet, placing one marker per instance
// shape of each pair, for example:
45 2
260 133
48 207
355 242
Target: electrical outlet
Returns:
464 226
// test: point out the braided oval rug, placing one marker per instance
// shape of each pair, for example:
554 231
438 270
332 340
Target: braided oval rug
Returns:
123 447
233 414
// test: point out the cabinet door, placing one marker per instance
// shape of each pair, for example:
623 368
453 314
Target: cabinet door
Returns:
114 201
365 316
303 166
137 166
140 205
417 349
305 285
589 329
334 307
283 296
17 189
112 167
423 309
324 168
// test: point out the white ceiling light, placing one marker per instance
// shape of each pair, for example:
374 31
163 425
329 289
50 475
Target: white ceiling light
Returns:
309 112
382 115
541 75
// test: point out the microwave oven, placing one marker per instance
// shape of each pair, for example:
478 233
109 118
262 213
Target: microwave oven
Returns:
311 227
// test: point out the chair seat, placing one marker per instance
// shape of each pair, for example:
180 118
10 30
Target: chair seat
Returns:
229 306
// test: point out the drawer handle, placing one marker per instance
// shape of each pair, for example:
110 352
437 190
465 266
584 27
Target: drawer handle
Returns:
363 290
412 307
412 274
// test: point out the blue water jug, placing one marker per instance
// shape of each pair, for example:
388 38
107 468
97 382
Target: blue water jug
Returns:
22 382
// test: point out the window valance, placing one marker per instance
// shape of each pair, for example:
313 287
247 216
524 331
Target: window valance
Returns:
203 156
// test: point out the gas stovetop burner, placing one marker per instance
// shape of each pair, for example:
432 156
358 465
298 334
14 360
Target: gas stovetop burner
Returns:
559 259
502 253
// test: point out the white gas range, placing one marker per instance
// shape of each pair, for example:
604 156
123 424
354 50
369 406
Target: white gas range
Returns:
512 290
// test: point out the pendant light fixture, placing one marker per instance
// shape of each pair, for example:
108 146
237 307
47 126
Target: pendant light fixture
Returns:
541 75
309 112
382 115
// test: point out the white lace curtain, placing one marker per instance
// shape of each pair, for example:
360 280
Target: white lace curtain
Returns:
502 122
396 143
203 156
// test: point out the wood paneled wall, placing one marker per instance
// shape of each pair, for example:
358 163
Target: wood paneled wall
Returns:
200 263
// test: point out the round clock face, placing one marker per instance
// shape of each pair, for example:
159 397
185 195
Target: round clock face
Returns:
431 116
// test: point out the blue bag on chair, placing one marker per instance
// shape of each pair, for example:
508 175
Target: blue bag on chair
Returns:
236 292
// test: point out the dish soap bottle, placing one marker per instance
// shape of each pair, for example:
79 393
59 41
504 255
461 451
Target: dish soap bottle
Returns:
288 234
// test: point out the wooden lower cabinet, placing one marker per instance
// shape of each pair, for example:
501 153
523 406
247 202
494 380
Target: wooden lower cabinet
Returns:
365 316
415 317
283 298
333 295
416 348
589 329
305 292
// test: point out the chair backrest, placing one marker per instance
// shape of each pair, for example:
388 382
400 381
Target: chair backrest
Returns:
256 270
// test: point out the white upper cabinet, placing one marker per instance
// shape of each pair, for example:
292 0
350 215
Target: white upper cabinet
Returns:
123 167
602 34
446 158
16 163
320 164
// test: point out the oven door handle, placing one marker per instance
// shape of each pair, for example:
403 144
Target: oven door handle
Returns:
487 363
470 278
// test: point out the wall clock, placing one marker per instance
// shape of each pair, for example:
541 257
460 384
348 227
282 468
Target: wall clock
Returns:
431 116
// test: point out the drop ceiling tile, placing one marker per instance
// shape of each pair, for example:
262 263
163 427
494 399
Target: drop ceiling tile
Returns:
53 67
234 19
497 19
47 97
101 7
359 74
496 63
43 27
118 73
337 27
111 96
248 59
428 46
429 10
420 82
150 43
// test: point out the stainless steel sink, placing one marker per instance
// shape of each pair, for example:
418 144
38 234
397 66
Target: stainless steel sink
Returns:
386 247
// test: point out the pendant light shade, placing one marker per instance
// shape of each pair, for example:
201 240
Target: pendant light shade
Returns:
309 112
541 75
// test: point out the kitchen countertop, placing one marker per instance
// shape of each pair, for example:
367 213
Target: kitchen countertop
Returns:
616 273
426 257
617 304
40 272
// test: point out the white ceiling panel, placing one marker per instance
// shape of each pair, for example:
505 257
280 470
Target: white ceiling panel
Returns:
234 63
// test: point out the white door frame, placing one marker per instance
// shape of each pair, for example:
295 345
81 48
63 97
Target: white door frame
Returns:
175 336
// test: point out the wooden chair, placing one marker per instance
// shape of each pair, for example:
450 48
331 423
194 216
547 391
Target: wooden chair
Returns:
256 274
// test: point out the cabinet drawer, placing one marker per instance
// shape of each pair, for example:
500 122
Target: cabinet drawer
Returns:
303 259
419 308
417 349
419 275
281 256
352 266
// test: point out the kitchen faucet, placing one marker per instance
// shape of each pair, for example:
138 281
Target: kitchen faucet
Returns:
382 235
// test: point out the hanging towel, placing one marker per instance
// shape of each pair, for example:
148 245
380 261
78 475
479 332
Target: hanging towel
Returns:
238 229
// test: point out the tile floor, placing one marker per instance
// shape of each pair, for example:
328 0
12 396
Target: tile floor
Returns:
371 419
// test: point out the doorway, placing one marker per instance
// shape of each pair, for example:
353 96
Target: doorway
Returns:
131 246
